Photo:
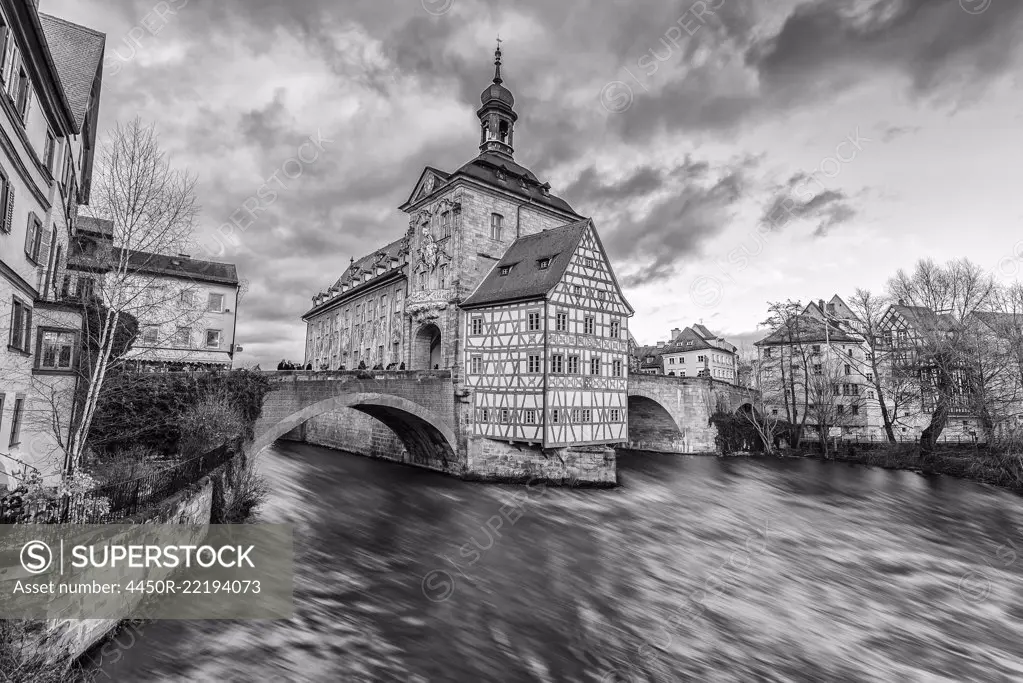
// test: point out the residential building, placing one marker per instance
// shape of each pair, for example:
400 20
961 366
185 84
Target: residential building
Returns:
810 373
187 309
698 352
546 343
50 82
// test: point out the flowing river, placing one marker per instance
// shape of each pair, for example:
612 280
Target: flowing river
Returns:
697 568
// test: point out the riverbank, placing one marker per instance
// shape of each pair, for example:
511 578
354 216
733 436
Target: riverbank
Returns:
979 465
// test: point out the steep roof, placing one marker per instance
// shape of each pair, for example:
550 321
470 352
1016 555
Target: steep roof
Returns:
807 329
1008 325
526 280
924 318
704 332
77 53
353 274
182 267
508 175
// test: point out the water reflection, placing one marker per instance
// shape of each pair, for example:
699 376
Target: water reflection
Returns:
696 569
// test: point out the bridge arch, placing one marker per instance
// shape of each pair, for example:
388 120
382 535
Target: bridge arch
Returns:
422 433
653 426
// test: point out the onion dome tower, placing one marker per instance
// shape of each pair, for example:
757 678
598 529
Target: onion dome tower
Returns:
497 115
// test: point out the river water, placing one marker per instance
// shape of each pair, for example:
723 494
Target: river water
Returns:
697 568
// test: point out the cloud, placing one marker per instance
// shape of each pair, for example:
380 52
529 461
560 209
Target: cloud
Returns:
828 209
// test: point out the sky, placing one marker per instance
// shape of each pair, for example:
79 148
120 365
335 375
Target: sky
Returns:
731 152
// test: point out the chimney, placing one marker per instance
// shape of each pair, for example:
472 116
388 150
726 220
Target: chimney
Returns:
820 304
675 333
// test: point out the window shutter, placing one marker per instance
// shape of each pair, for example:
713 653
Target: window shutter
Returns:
8 220
27 341
9 64
30 236
44 251
28 104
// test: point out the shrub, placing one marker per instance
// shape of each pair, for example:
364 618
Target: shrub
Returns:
145 409
133 462
210 422
247 492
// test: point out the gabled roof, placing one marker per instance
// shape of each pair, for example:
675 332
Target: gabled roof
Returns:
1008 325
704 332
95 226
527 280
442 177
924 318
77 54
808 329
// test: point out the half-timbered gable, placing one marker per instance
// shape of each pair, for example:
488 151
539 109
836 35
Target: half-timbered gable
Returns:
546 350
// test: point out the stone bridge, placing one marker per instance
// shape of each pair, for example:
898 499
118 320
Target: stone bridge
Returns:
672 414
424 418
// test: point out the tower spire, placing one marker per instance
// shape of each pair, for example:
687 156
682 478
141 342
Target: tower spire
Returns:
497 62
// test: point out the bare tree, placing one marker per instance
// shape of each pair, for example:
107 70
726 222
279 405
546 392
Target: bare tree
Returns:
894 385
944 346
762 416
784 358
835 401
152 208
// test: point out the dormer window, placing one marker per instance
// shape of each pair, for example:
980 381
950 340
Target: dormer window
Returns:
544 263
505 270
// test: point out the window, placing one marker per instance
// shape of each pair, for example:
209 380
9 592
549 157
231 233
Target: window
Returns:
216 303
533 321
33 238
505 415
870 394
19 408
505 270
543 264
21 93
573 365
855 410
588 324
774 411
443 276
6 203
187 297
445 222
48 152
848 369
555 416
183 336
530 417
616 329
476 365
534 363
485 415
818 369
574 415
213 339
422 280
496 220
616 368
56 349
701 359
588 262
840 409
870 377
398 294
21 325
816 348
561 322
767 352
577 290
557 364
595 365
477 325
616 415
150 334
587 415
4 36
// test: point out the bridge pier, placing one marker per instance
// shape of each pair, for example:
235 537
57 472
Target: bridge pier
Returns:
491 460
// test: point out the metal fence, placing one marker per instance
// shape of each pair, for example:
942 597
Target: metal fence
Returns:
127 498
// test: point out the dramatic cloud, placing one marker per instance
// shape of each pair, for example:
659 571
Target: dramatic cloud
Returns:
239 87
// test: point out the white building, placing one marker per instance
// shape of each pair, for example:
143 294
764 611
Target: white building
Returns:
50 76
698 352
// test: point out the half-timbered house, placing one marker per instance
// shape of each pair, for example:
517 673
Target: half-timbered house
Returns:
546 343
